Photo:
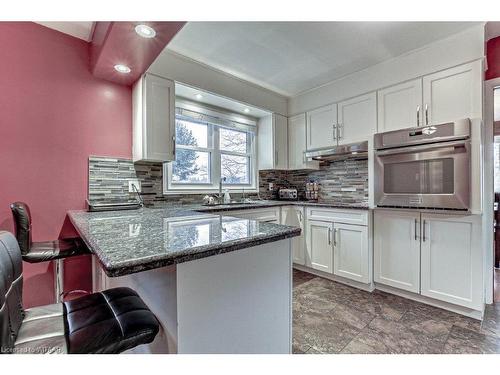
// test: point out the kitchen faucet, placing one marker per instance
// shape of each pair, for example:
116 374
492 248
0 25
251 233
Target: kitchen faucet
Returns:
220 196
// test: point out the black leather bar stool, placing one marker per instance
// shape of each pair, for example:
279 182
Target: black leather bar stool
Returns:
36 252
111 321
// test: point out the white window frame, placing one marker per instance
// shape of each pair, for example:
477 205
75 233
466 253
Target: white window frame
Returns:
169 187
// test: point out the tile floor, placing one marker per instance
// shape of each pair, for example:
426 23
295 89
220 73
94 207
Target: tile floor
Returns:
330 317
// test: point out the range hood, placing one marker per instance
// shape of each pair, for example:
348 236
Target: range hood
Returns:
341 152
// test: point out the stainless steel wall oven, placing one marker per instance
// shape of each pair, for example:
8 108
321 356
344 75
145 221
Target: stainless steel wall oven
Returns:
425 167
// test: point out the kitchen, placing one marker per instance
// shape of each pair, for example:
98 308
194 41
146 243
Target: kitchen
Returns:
249 207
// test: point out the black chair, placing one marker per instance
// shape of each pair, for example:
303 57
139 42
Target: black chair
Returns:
36 252
111 321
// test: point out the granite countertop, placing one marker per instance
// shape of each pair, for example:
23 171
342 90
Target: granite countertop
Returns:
137 240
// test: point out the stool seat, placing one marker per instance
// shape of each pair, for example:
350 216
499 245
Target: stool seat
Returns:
52 250
109 322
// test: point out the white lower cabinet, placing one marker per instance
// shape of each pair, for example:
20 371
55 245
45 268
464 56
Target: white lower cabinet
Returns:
294 216
337 243
451 260
350 252
436 255
396 249
319 245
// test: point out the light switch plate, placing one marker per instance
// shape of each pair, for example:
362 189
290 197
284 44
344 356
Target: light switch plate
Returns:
133 182
271 186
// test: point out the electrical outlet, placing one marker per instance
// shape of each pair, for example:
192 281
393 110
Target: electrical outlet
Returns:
132 183
271 186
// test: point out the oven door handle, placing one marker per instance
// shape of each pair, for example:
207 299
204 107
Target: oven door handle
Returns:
420 148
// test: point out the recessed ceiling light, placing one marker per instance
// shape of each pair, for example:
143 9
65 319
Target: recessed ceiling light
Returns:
145 31
199 96
246 110
122 68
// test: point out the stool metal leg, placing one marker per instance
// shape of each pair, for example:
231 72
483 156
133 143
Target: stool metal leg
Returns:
59 279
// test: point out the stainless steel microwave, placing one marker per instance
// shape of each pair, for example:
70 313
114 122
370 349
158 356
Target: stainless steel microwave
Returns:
424 167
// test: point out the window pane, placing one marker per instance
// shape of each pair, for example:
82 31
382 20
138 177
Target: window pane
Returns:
191 133
232 140
235 169
191 167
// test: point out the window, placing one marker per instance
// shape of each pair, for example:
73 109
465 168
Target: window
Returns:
209 148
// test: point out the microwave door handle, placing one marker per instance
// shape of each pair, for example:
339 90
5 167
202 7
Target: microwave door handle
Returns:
420 148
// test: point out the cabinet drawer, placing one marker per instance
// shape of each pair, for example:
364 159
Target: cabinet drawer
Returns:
271 214
341 216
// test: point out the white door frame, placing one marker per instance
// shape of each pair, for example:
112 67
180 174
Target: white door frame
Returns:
488 188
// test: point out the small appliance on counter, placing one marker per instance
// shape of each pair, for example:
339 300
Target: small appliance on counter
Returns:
288 194
312 191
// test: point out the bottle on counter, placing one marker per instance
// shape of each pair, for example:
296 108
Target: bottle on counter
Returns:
227 197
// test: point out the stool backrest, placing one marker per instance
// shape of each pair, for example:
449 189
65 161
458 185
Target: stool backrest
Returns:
22 225
11 291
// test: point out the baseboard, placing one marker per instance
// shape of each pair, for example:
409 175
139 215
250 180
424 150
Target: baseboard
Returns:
355 284
471 313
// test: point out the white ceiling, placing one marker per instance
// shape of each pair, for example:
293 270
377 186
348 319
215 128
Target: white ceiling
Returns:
81 30
190 93
292 57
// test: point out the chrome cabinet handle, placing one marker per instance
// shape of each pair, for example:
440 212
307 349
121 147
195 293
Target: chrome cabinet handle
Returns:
335 130
416 229
418 115
340 131
426 114
300 216
173 145
423 231
329 236
335 237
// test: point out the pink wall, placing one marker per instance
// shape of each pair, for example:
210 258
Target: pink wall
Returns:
53 115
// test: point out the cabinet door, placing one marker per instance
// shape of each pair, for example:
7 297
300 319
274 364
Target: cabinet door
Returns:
297 144
397 249
321 124
350 254
294 216
451 260
453 94
319 245
280 128
357 118
400 106
159 119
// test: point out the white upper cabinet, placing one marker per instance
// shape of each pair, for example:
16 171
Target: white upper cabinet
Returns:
396 249
153 119
321 124
350 254
297 144
451 259
400 106
357 118
280 142
272 142
453 94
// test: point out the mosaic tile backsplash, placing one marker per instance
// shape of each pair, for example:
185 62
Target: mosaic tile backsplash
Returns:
108 179
342 182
